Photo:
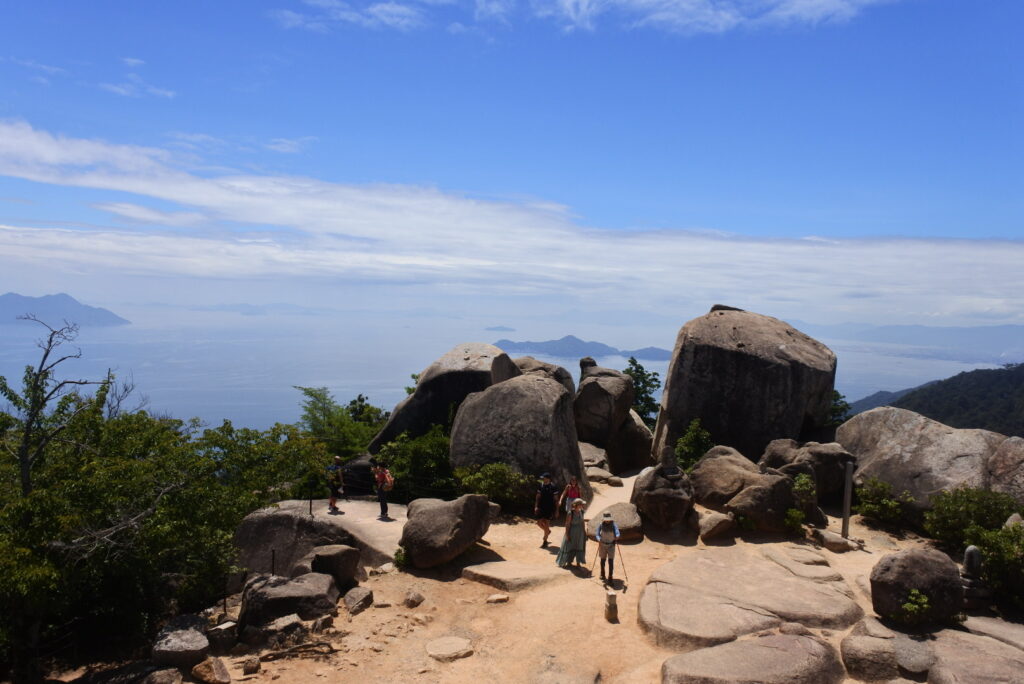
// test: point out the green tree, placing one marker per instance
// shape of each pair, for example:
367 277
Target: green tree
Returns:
839 411
415 379
694 443
420 465
344 430
645 386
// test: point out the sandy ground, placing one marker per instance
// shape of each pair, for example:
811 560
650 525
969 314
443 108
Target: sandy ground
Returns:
554 633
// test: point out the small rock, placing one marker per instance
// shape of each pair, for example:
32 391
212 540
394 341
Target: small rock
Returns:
223 637
464 602
180 648
381 604
449 648
423 618
321 624
413 598
385 569
836 543
615 481
251 665
358 599
212 671
168 676
497 598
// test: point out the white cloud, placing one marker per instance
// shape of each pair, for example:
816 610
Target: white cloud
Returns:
289 145
249 226
132 62
36 66
135 86
389 14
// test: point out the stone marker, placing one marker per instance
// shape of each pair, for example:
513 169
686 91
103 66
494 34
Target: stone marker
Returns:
611 607
449 648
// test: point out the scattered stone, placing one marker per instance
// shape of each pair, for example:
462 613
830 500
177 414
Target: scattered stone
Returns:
597 474
413 598
626 517
714 524
212 671
663 495
438 531
423 618
771 659
836 543
358 599
381 603
181 648
266 598
498 598
793 628
321 624
449 648
749 378
593 456
384 569
926 570
285 629
168 676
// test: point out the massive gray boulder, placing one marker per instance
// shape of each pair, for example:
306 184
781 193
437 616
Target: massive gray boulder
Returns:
626 517
181 646
526 422
602 402
724 480
629 447
268 597
765 659
725 592
872 652
663 496
827 463
531 366
274 539
437 531
928 571
963 658
1006 469
919 455
440 389
337 560
748 378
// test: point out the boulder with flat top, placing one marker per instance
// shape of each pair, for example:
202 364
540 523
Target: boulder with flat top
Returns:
437 531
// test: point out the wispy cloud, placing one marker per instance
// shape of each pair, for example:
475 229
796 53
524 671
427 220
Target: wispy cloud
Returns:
132 62
289 145
326 13
251 226
135 86
48 69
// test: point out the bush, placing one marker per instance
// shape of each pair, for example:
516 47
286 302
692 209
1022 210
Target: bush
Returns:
955 511
401 560
915 609
1002 567
794 520
420 466
500 483
804 490
694 443
877 503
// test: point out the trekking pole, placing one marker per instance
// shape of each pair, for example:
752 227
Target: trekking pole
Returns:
622 562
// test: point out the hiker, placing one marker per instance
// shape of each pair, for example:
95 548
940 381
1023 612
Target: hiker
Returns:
336 483
569 494
544 506
383 481
574 543
607 535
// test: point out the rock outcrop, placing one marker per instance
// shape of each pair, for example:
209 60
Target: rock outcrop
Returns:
827 463
268 597
531 366
339 561
604 417
724 480
920 455
440 389
1006 469
526 422
663 496
767 659
722 593
928 571
629 447
749 378
437 531
873 652
181 645
626 517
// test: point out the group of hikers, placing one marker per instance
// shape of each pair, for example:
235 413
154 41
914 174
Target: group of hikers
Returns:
383 482
551 505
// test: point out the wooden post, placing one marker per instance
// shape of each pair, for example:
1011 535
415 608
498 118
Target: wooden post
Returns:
847 499
273 561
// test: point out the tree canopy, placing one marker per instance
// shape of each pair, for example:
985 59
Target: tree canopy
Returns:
645 385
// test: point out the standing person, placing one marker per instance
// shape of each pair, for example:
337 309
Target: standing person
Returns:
544 506
336 483
607 534
383 480
574 543
569 494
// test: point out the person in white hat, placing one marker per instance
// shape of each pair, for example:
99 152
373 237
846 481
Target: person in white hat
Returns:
607 534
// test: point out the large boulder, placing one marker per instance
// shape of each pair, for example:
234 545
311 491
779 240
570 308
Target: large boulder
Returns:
273 539
873 652
440 389
182 647
337 560
962 658
626 517
724 480
1006 469
917 454
748 378
722 593
766 659
602 402
437 531
268 597
663 496
827 463
531 366
928 571
629 447
526 422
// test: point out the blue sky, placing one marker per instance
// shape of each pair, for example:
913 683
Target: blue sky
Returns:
538 164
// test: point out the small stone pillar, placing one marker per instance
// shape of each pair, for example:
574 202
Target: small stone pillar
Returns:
611 607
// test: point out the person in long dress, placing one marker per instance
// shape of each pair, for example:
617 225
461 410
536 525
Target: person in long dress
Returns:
574 543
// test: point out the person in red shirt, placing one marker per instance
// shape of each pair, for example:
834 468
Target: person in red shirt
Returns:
384 482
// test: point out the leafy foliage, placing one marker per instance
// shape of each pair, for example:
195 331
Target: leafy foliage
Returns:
645 386
804 489
1002 566
500 483
839 411
877 503
415 379
954 512
915 610
989 399
344 430
419 465
794 520
694 443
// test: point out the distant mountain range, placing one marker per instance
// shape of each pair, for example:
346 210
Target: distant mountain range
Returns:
882 398
54 310
572 347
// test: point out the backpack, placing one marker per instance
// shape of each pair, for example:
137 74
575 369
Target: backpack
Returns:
389 482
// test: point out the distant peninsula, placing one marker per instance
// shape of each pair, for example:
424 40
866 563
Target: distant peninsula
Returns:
54 309
570 347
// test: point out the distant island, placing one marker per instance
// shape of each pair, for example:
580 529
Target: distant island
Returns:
54 309
570 347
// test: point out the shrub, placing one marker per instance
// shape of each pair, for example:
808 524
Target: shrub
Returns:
401 560
420 466
804 490
877 503
794 520
915 609
500 483
955 511
694 443
1002 567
